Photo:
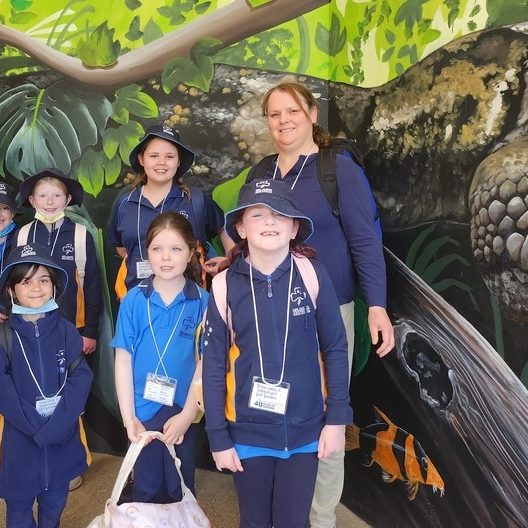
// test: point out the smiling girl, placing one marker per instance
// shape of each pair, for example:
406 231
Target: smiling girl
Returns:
155 359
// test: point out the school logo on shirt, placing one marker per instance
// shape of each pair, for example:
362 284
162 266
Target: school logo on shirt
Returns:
298 297
61 361
67 252
189 324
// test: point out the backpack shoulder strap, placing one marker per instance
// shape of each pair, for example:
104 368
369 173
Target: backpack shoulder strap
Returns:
80 251
309 276
6 339
259 170
219 289
23 234
200 214
326 173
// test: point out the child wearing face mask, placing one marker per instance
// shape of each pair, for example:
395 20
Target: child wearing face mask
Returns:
44 385
49 192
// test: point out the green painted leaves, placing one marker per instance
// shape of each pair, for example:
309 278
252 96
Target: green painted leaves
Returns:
131 100
196 70
99 48
331 39
48 128
95 170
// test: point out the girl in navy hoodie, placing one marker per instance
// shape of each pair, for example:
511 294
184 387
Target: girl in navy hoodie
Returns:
275 372
44 384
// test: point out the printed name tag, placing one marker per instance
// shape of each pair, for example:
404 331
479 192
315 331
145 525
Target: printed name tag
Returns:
46 406
160 389
143 269
270 398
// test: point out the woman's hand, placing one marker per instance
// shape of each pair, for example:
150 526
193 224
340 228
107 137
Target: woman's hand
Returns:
89 345
331 440
211 266
175 427
378 321
227 459
134 428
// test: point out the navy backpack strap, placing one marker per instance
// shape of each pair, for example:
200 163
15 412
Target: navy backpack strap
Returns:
6 339
326 172
200 214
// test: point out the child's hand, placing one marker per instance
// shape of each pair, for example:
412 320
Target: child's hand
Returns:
133 429
227 459
89 345
174 428
331 440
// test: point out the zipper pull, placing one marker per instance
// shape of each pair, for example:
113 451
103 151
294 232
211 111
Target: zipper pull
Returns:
37 333
270 291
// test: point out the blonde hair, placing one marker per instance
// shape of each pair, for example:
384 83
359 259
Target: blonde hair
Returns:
52 181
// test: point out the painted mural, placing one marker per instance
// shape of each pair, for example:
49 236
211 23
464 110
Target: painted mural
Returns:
435 95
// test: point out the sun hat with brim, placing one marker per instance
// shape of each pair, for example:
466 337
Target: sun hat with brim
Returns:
32 254
169 134
8 197
73 187
274 194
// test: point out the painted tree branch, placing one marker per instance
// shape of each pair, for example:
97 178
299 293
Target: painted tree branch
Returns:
228 24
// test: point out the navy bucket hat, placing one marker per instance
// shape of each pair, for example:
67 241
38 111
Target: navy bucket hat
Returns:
32 254
169 134
8 197
73 187
274 194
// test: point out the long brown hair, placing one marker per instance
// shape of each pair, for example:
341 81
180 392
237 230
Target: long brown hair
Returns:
300 94
141 177
178 223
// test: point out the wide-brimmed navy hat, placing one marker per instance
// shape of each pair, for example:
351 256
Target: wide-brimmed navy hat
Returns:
169 134
32 254
8 197
274 194
73 187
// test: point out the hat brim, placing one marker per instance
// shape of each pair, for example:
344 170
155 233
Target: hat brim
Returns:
39 262
4 200
73 187
305 224
186 156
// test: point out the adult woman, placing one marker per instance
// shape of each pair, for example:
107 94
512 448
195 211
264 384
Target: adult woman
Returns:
348 247
160 161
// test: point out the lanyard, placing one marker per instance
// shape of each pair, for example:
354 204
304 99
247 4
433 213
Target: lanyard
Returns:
56 236
161 356
31 370
139 219
300 170
257 324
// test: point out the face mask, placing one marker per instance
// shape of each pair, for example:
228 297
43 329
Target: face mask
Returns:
7 229
24 310
48 219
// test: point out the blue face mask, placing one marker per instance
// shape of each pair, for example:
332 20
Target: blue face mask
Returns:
24 310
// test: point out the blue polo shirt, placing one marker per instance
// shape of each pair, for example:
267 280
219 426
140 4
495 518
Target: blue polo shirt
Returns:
124 230
133 333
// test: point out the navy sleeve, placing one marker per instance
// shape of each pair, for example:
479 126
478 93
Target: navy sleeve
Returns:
57 428
334 349
215 351
18 412
359 223
113 237
215 217
93 299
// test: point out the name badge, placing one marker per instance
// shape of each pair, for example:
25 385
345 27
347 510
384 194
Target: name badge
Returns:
270 398
143 269
160 389
46 406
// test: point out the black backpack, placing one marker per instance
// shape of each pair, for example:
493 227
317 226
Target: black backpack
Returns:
326 169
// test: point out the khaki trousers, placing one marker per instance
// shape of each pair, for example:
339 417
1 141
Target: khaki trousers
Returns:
331 471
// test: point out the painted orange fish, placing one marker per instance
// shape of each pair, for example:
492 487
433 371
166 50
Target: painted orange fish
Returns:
397 452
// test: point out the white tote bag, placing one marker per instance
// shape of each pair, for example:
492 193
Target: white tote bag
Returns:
184 514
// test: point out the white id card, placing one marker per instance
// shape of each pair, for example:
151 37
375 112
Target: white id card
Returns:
143 269
271 398
46 406
160 389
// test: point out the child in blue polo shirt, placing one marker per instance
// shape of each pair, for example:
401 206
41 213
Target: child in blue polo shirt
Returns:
44 385
275 373
155 358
